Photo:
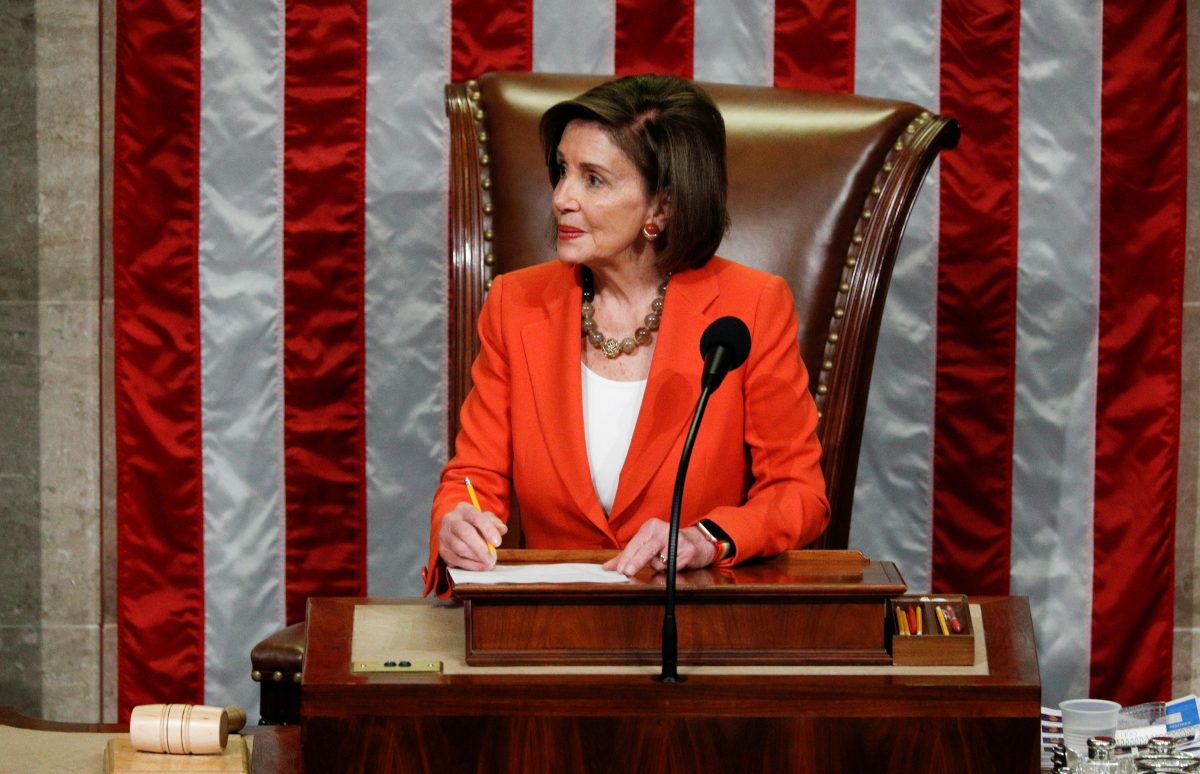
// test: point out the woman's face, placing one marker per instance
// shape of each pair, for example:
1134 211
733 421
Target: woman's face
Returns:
600 202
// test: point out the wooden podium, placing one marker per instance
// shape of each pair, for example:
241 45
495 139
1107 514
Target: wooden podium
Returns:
800 715
802 607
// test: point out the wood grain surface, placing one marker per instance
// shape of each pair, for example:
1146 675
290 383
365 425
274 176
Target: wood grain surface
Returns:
621 722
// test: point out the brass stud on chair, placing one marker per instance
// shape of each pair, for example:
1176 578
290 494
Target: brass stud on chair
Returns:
487 208
839 313
822 389
887 166
866 215
899 145
485 159
488 234
483 137
489 259
844 287
833 337
851 262
911 129
487 284
478 114
256 676
827 365
472 84
486 184
277 677
296 677
857 239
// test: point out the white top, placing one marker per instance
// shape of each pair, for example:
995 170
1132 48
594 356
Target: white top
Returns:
610 412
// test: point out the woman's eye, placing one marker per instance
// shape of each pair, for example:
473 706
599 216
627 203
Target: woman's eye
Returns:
594 180
562 169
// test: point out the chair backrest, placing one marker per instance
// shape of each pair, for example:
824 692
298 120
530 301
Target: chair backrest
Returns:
820 188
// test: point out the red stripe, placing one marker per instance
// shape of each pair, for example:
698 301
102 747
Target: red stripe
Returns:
160 540
976 307
1143 162
654 36
324 117
488 36
814 44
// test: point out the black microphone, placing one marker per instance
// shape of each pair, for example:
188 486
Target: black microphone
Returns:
724 346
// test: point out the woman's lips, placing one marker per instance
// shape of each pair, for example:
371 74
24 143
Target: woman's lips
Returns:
569 232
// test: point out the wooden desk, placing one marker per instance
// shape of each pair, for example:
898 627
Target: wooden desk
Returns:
499 720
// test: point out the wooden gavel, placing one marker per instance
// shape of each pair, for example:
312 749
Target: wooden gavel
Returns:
183 729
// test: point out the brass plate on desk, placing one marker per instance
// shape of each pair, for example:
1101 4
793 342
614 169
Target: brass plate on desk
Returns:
399 666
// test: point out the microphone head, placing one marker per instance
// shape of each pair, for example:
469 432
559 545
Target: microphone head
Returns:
732 335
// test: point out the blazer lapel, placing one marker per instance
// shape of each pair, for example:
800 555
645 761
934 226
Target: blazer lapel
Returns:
673 385
553 357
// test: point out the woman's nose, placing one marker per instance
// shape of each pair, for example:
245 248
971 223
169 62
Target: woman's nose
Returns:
564 197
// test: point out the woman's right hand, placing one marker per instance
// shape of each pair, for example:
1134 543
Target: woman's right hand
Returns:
467 538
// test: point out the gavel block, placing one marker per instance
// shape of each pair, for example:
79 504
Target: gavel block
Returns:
122 758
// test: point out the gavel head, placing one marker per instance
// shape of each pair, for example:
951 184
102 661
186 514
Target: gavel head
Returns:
180 729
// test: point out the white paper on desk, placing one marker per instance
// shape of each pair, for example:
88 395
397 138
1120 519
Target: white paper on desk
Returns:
563 572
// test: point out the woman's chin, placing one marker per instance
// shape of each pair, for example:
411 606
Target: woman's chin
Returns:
570 256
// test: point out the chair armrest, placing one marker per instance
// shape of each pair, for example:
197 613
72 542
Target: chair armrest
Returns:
280 657
276 665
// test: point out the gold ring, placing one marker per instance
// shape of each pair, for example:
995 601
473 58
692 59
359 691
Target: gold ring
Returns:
662 558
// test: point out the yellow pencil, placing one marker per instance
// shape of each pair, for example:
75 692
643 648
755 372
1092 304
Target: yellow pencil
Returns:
475 502
942 621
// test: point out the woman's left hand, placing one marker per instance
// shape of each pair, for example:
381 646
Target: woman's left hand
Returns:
649 547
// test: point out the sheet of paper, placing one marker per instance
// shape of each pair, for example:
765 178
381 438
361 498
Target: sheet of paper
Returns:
565 572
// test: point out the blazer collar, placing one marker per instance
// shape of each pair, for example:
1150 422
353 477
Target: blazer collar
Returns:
673 386
552 350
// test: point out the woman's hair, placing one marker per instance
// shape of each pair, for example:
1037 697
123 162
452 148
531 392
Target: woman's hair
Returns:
675 136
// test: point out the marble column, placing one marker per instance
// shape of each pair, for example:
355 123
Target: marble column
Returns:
50 347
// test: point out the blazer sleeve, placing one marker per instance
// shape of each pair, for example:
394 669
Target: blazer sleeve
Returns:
786 506
483 448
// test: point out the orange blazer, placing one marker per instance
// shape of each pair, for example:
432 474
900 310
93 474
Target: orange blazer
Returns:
755 468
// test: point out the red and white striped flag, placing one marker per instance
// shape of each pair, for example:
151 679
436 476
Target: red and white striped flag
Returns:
280 221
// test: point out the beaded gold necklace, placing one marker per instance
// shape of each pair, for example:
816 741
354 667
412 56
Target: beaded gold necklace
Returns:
609 346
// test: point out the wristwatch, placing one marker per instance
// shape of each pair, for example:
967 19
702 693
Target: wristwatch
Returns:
718 537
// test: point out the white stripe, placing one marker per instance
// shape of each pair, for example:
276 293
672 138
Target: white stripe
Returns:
240 265
574 36
897 56
408 56
734 42
1057 314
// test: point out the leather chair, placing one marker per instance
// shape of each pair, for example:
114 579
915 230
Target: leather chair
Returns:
821 186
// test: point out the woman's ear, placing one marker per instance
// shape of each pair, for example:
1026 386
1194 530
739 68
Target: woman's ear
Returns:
662 207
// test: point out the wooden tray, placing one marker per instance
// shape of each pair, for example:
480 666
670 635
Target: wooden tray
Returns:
932 647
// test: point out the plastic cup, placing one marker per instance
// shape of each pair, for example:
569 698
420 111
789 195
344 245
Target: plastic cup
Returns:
1085 718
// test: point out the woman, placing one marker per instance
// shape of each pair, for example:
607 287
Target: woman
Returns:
588 368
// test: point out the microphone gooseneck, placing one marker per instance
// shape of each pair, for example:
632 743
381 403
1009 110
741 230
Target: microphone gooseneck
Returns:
724 346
